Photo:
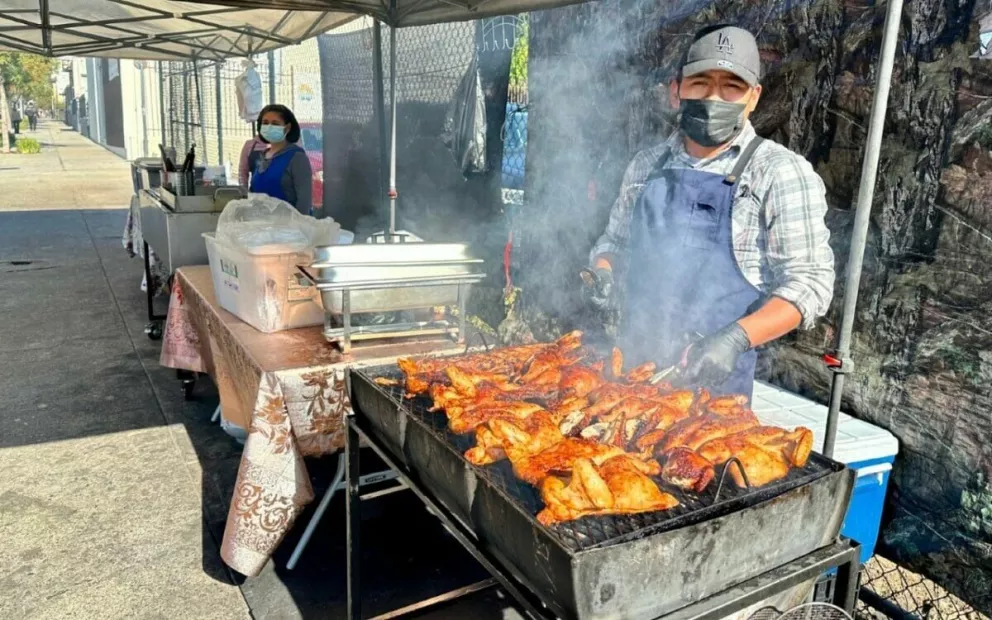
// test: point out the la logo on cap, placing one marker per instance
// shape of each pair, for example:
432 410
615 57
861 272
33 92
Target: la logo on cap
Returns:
723 44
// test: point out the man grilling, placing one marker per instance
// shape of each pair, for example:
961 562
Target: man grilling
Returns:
718 235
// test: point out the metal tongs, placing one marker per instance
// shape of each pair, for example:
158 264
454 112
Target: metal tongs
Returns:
674 372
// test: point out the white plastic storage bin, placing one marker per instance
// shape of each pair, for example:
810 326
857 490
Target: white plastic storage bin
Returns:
861 446
262 290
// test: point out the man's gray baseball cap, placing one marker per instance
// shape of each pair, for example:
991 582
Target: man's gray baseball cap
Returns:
726 48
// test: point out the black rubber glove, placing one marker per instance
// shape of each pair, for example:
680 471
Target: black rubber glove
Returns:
598 289
711 361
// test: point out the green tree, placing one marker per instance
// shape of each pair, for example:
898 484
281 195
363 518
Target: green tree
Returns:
37 84
27 76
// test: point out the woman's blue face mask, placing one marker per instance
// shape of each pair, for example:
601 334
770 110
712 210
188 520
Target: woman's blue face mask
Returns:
273 133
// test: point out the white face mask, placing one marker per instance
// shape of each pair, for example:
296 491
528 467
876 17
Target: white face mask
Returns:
273 133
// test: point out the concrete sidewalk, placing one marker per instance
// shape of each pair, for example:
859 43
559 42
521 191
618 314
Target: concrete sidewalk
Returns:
71 172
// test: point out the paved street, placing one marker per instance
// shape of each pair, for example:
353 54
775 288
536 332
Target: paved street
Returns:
115 489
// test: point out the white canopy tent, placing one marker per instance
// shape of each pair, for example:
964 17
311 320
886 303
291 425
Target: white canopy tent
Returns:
163 29
154 29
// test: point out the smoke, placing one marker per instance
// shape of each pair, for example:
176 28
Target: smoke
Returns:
593 106
435 200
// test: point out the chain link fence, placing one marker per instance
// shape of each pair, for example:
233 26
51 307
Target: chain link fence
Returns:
892 591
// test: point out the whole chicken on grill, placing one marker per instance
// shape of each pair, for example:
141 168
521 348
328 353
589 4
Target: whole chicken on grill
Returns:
421 373
503 437
593 438
462 421
616 486
767 453
563 352
558 459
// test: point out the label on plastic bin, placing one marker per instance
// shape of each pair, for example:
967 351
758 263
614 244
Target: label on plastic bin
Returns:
229 268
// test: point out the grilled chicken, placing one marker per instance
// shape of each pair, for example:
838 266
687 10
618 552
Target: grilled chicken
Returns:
422 373
695 431
462 421
726 405
587 434
616 486
642 373
684 467
558 459
687 470
552 358
501 436
767 453
579 381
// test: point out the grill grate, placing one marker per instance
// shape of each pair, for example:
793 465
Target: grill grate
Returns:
598 531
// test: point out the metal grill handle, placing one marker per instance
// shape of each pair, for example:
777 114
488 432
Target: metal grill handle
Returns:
723 476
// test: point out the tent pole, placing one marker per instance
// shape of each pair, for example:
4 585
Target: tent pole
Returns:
866 191
392 132
380 115
161 102
199 113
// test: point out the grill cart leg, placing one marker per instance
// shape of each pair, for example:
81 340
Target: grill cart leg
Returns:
353 509
318 515
531 607
846 584
154 327
336 485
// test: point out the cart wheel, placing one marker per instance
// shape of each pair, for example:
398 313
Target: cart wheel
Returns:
154 330
188 386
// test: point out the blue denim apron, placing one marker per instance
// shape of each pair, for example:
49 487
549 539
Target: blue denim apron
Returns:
683 278
269 181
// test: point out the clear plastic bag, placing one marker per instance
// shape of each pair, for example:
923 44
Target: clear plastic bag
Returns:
261 225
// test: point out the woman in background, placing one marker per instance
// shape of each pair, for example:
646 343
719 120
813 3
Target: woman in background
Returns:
283 170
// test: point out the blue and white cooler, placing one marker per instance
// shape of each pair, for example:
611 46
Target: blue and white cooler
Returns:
861 446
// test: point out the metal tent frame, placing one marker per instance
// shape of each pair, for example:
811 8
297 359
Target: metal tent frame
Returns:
155 29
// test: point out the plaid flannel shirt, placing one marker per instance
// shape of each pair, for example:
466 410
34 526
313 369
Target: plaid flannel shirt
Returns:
781 241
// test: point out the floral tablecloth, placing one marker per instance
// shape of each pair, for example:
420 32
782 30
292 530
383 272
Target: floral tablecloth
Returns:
134 242
287 389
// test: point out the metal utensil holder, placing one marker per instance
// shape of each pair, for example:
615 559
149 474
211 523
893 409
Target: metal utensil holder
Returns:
343 336
182 183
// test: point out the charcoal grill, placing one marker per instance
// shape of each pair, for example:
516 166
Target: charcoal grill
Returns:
628 566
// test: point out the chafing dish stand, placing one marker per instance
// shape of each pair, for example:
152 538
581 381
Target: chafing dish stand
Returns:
842 556
345 334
